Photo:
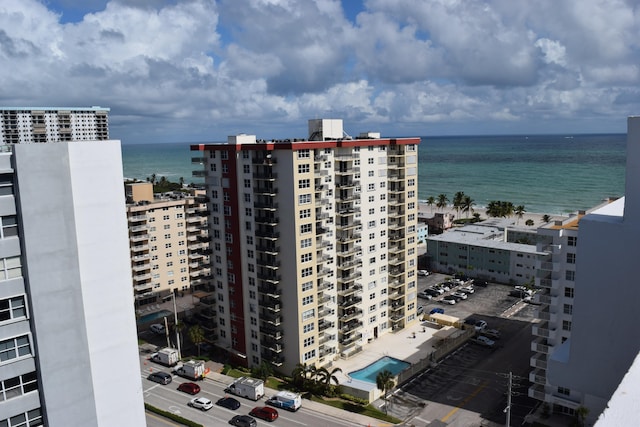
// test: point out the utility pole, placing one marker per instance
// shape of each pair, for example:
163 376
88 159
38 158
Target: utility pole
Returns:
508 408
166 331
175 315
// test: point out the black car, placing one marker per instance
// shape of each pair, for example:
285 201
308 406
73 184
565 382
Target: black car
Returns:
229 403
160 377
243 421
481 283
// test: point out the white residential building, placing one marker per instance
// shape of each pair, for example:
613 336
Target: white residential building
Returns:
68 348
314 243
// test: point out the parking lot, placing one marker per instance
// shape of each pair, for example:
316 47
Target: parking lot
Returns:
469 386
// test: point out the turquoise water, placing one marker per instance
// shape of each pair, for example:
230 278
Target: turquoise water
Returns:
369 373
153 316
551 174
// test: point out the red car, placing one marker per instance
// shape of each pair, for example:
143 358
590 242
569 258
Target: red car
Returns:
190 388
265 413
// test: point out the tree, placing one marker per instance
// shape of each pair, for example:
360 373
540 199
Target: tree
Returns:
430 202
327 376
384 382
262 371
442 201
299 374
581 415
457 201
181 181
529 222
467 205
153 179
519 211
196 335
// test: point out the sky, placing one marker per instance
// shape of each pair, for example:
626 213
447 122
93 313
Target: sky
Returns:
200 70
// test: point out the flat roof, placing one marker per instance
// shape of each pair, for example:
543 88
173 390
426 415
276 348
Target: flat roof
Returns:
94 108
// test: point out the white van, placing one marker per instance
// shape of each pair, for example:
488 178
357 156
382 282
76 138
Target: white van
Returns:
286 400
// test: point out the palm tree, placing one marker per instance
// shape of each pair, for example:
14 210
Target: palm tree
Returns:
384 382
181 181
153 179
457 201
519 211
196 335
430 202
467 205
529 222
442 201
327 376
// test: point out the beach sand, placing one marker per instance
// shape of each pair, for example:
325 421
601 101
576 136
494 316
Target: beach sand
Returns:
426 211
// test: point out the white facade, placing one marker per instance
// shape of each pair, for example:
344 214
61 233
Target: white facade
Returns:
605 338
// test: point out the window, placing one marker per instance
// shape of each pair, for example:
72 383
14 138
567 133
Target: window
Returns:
246 168
568 292
305 213
571 258
247 212
563 390
309 355
370 161
370 173
247 183
306 272
307 286
304 199
247 197
304 183
306 257
371 186
24 419
17 386
572 241
303 168
309 341
411 182
9 226
308 314
570 275
568 309
6 184
303 154
566 325
305 243
12 308
14 348
308 327
306 228
10 268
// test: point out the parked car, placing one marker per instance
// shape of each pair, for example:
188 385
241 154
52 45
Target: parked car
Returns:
433 292
160 377
243 421
201 403
470 321
423 273
264 413
484 341
437 289
449 300
492 333
424 295
437 310
191 388
460 295
229 403
467 289
481 325
420 310
445 286
481 283
157 328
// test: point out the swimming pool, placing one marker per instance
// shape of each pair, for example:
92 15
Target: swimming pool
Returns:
368 374
153 316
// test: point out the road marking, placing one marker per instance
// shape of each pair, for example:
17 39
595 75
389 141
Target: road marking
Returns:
471 396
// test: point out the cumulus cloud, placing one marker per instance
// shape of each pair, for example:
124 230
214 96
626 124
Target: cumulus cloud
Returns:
199 69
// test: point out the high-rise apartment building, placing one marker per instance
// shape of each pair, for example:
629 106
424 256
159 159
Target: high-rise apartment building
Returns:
593 324
68 349
313 242
19 125
169 242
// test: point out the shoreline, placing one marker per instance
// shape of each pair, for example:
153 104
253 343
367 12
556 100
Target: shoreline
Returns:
426 211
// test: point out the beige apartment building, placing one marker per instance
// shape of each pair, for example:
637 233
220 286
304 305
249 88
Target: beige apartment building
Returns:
314 243
169 242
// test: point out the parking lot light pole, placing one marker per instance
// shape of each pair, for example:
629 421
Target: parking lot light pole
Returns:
175 314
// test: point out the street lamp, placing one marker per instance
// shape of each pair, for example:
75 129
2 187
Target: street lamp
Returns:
175 316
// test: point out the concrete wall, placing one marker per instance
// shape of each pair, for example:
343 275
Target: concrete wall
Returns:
79 279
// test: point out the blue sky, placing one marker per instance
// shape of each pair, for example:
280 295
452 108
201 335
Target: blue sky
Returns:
199 70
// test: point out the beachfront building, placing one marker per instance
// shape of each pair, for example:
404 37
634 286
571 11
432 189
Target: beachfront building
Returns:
68 349
589 365
314 242
22 125
482 252
169 242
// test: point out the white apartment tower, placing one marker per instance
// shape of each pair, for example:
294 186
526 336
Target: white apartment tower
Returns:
313 242
68 349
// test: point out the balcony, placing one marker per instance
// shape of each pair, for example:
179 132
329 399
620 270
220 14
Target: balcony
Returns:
138 218
268 234
268 220
141 277
323 325
542 330
538 361
351 315
197 160
268 249
270 290
345 303
538 376
540 345
200 174
536 391
139 238
270 191
350 342
141 267
273 332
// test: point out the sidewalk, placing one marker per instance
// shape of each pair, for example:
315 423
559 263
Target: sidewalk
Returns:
356 419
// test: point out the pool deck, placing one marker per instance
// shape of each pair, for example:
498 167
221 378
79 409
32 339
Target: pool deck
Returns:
401 345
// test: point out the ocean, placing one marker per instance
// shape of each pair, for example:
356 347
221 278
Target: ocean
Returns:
552 174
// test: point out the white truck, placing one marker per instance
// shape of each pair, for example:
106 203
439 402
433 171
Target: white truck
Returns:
193 369
166 356
286 400
250 388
